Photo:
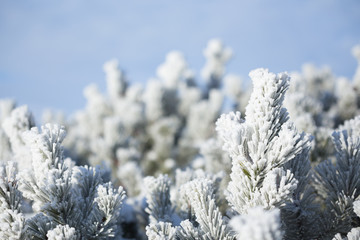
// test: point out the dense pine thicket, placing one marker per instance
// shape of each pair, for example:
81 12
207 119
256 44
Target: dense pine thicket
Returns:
180 158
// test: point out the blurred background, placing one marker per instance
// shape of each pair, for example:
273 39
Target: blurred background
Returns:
51 50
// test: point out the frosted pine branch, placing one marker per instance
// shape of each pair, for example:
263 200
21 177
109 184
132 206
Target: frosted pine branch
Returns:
48 160
261 142
109 202
258 224
158 199
67 195
12 220
14 126
200 195
161 231
354 234
62 232
115 79
217 55
339 184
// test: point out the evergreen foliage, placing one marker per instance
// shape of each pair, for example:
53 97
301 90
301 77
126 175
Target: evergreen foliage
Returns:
176 160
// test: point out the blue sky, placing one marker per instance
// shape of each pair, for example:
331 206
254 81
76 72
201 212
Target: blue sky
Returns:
50 50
